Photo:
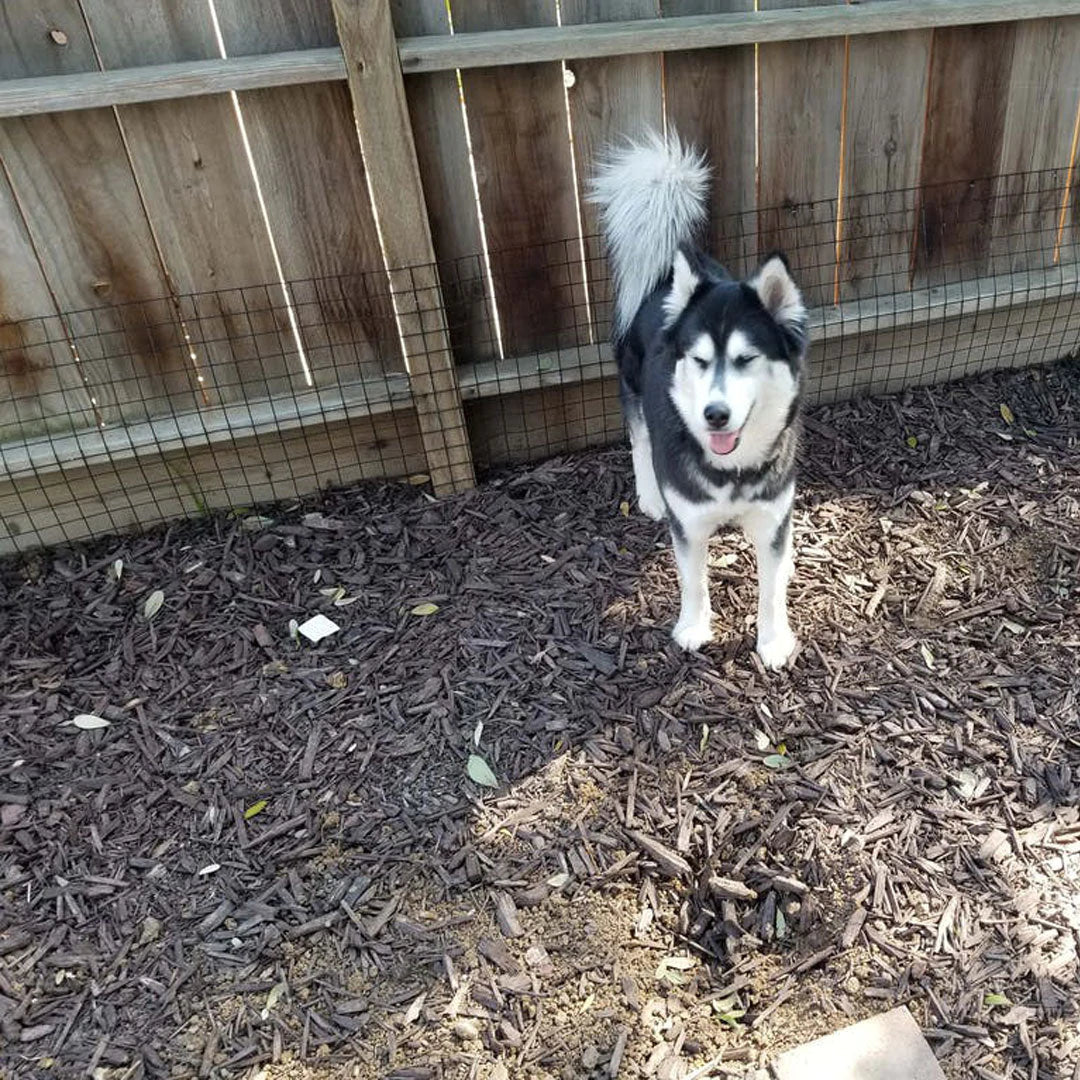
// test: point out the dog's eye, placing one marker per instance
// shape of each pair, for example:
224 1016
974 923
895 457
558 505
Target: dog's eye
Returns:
702 364
743 361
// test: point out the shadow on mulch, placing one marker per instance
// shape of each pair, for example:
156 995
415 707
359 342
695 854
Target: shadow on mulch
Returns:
272 859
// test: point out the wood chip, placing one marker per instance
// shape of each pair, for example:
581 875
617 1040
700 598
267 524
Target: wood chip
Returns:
670 862
729 889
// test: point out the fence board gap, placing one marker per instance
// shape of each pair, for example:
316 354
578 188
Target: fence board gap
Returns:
190 163
965 126
887 86
610 98
1036 149
303 142
521 147
377 90
443 155
85 218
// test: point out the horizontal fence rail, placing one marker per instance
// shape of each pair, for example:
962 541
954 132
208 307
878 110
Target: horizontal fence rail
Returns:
500 48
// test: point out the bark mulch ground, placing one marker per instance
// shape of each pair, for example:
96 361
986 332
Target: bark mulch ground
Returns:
273 861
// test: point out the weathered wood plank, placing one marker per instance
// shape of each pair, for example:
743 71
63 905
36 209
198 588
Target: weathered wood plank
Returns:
965 127
540 423
807 21
442 151
366 33
1040 117
41 384
711 101
312 176
886 108
801 93
82 210
610 98
189 161
518 122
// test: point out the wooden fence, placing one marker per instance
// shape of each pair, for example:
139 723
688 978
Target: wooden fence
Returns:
251 248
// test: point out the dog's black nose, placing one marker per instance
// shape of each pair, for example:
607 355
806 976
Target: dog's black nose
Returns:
717 416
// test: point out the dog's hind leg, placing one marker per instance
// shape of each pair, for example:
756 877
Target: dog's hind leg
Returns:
769 526
649 498
694 627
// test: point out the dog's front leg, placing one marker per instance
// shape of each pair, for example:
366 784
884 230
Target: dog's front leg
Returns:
650 501
769 526
694 627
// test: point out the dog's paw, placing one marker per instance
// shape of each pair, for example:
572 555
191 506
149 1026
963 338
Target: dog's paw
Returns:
777 650
691 636
652 506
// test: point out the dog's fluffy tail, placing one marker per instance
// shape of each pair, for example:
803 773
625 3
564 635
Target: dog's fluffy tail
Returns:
651 196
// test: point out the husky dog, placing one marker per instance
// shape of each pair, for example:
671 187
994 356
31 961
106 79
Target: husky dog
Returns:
711 377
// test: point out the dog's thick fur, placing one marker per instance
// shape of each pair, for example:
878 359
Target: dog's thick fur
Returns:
711 373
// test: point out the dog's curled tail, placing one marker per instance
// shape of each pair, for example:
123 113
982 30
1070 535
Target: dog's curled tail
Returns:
651 196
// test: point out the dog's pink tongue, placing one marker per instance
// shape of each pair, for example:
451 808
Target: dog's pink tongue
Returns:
723 442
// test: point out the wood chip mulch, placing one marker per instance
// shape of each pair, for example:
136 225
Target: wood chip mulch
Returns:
275 859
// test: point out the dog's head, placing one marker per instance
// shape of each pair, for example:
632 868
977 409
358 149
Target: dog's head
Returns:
738 349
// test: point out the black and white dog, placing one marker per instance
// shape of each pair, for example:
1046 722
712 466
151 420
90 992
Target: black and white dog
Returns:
711 373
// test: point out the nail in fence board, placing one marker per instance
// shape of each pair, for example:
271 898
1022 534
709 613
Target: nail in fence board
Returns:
518 123
801 90
710 100
442 152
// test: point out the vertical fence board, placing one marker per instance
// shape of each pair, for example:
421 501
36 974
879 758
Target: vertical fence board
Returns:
886 95
517 118
377 89
610 98
196 183
710 100
801 89
311 171
41 387
442 151
72 179
965 125
1040 116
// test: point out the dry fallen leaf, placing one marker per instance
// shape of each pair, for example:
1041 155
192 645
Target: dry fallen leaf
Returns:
424 609
480 772
89 722
412 1013
1007 414
153 603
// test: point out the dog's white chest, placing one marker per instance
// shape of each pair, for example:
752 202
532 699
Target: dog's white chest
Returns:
707 516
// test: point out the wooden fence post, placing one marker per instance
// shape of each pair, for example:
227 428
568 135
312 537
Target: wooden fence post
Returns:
366 33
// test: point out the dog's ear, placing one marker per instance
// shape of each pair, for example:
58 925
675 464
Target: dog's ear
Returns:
683 283
778 292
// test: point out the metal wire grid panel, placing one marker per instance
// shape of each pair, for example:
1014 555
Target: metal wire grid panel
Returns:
129 415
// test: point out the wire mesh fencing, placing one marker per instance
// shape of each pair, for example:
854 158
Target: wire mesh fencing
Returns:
136 413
